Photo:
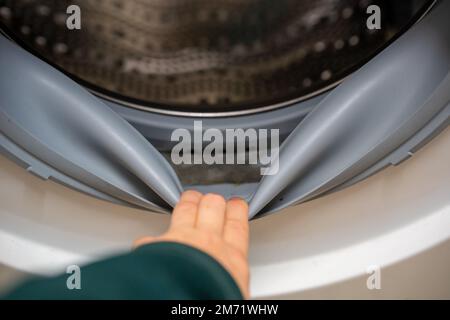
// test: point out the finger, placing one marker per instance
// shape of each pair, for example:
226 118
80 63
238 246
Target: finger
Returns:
236 229
142 241
185 212
211 213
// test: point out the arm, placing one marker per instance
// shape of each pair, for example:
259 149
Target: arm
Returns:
203 255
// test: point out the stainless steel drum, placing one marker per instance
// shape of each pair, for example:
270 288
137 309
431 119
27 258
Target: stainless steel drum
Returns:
202 56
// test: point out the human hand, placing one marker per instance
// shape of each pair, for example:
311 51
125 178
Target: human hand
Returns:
217 227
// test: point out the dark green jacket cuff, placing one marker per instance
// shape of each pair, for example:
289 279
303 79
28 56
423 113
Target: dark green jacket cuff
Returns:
164 270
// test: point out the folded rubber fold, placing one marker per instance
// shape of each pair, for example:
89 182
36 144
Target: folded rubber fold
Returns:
61 123
366 117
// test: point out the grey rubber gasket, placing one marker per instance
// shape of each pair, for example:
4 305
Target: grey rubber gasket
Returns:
402 153
377 116
63 125
367 117
45 172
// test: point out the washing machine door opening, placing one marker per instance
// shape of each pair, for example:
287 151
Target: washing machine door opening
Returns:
57 129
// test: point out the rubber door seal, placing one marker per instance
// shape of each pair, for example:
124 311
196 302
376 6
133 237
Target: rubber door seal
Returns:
399 99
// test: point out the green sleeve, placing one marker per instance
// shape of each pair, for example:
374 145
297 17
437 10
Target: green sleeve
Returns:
164 270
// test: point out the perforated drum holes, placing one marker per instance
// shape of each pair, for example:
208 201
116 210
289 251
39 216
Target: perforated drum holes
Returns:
206 56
